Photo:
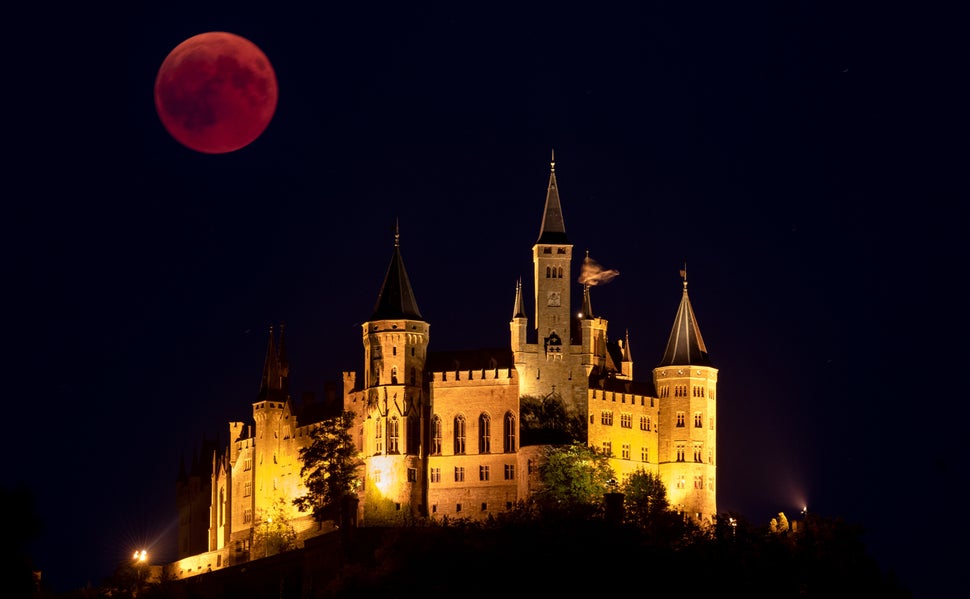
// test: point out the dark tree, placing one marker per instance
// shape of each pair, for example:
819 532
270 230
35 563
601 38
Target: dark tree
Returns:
330 468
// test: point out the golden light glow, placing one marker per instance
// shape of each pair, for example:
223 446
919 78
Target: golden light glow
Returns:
140 556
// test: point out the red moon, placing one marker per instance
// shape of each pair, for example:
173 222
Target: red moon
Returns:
216 92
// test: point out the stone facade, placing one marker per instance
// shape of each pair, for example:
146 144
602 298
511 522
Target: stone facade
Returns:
439 434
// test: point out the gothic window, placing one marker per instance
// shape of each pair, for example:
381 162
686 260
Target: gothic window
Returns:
547 272
698 453
393 375
379 436
680 419
680 452
560 272
484 434
681 483
459 435
508 435
697 420
698 482
436 435
393 432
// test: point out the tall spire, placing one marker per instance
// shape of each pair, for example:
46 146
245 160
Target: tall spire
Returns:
396 299
685 347
587 304
272 380
627 356
553 228
518 311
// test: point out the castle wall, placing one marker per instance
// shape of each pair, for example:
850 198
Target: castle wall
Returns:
626 425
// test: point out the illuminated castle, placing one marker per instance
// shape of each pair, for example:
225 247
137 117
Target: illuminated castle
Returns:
439 433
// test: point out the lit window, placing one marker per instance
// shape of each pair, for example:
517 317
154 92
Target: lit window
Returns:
393 430
508 434
698 420
436 436
459 435
680 419
606 418
626 420
680 452
484 434
698 451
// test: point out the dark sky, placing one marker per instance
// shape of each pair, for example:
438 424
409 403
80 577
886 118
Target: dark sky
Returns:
806 160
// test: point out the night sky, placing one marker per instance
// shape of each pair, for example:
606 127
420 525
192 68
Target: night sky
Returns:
807 161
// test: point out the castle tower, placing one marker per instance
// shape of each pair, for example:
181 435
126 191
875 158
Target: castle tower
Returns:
270 409
395 342
686 383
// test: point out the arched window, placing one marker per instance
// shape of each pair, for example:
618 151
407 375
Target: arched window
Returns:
548 271
484 434
560 272
508 433
436 435
393 433
459 435
393 375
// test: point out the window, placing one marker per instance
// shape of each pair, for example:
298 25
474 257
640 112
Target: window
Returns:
710 456
680 419
698 482
247 489
698 420
484 434
680 452
508 434
644 423
698 451
644 455
459 435
510 472
606 417
394 373
248 464
459 474
608 448
412 475
436 475
483 473
393 428
681 483
247 516
626 420
379 436
457 507
484 507
436 435
625 452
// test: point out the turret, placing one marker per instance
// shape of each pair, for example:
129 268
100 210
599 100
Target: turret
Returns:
395 340
686 383
519 324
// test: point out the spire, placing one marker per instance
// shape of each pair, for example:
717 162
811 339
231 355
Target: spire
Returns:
685 346
587 305
553 228
519 310
396 299
627 356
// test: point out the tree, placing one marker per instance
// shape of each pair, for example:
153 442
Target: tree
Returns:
573 476
274 533
544 420
645 498
330 468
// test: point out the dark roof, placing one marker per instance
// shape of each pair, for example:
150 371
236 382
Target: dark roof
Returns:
600 379
472 359
396 299
685 346
553 227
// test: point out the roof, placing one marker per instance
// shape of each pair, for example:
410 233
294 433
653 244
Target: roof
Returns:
473 359
553 227
685 347
396 299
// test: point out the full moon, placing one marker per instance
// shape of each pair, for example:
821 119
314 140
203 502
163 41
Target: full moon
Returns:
216 92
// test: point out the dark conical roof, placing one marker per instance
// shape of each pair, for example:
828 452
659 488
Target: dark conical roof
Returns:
396 299
685 346
553 227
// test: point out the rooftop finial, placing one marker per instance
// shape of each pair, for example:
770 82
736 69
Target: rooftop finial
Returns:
683 274
552 163
397 233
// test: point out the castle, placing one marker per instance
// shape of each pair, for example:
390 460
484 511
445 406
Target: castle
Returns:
439 433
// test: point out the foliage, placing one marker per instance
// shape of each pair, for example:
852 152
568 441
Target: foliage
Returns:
573 475
330 468
645 498
274 533
544 421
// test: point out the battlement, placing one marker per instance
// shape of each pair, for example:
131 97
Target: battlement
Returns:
476 374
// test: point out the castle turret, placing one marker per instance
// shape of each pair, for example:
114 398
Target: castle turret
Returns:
395 342
519 324
269 410
686 382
